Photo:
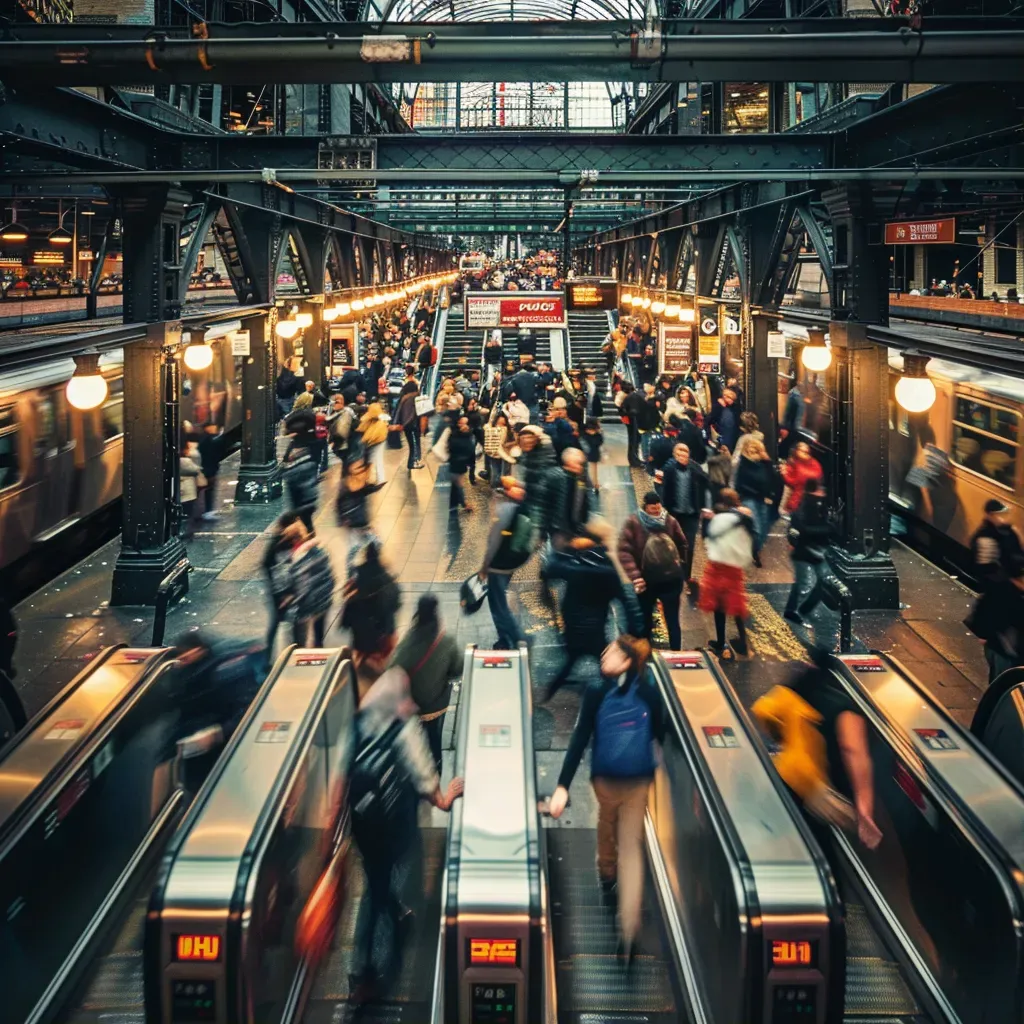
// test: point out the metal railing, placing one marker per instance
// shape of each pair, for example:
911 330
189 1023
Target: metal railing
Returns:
172 587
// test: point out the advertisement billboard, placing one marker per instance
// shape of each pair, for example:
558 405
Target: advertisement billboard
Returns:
921 232
675 348
514 309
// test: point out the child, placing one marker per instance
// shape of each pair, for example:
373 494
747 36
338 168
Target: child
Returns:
592 440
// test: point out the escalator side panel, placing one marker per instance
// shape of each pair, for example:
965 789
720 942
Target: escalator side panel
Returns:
57 878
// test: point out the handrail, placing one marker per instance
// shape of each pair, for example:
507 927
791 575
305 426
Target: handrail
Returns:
172 587
739 864
834 903
437 340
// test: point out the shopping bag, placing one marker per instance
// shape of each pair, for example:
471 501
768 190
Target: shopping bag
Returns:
424 405
440 449
472 594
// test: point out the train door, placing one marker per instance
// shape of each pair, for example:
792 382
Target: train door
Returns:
54 456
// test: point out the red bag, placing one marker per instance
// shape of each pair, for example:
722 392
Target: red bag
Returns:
320 430
433 355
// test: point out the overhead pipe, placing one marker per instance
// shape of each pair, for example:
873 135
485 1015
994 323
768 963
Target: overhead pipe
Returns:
903 55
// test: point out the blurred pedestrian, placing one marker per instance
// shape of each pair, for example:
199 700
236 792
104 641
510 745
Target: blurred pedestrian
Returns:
995 546
729 543
684 492
283 539
756 482
592 440
800 468
406 420
374 431
371 602
653 554
432 660
809 535
312 582
299 465
461 460
623 713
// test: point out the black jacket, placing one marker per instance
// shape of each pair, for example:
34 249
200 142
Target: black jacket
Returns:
461 451
993 548
564 494
756 480
634 406
811 530
698 487
691 436
526 386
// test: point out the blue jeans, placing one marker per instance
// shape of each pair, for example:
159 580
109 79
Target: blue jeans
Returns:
505 622
762 514
809 577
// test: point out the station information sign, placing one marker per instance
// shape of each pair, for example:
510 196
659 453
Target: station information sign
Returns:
514 309
675 348
593 293
709 345
941 231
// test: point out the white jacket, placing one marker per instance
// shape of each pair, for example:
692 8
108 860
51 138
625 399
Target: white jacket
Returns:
729 539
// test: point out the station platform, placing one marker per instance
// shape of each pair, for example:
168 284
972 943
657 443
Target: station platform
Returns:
66 623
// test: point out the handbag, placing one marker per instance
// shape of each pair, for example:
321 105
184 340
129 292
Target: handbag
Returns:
424 406
472 594
440 449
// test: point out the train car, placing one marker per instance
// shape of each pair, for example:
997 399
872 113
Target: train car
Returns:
61 468
944 464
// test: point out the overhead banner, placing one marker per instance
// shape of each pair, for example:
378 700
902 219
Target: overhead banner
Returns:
709 345
514 309
593 293
921 232
675 348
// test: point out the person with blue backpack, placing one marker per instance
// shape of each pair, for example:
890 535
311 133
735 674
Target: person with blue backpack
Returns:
624 714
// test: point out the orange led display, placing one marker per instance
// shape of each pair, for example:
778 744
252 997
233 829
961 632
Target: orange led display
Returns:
792 954
494 952
205 948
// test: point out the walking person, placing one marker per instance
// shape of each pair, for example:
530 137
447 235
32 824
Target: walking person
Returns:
189 474
276 566
809 532
432 660
461 460
799 469
592 440
653 554
684 492
371 601
995 546
512 539
390 770
634 412
729 542
351 509
374 432
407 421
624 715
499 446
312 581
300 468
757 485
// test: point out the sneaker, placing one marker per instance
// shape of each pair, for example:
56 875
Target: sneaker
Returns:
795 617
757 562
210 516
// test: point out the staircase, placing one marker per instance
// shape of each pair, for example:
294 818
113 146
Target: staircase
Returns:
463 350
587 332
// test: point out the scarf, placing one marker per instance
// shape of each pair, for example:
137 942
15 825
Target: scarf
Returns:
653 522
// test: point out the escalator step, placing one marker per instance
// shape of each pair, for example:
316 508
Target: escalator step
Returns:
590 983
876 987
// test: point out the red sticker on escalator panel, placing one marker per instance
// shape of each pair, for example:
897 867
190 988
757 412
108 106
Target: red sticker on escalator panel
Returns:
864 662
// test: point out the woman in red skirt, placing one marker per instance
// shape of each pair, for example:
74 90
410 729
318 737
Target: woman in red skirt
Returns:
729 545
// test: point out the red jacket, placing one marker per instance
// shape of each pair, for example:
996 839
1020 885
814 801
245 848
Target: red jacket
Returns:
797 475
633 538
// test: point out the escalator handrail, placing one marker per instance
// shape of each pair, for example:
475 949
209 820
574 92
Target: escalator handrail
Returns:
1003 684
739 864
535 1010
55 702
453 850
953 804
75 759
833 901
239 911
974 836
151 965
967 736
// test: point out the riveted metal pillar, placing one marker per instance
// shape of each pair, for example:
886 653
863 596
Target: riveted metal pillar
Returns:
258 478
150 546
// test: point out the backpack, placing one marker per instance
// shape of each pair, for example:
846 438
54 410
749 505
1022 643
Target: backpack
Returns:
380 791
433 355
623 737
517 544
320 430
660 561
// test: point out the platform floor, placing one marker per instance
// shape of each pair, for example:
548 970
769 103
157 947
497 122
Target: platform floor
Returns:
68 622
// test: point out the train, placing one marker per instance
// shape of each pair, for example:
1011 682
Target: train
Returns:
61 468
944 464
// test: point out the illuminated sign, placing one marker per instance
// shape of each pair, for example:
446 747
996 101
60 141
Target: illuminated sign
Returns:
311 659
514 309
675 348
794 954
681 661
493 952
593 294
47 256
490 662
865 663
921 232
205 948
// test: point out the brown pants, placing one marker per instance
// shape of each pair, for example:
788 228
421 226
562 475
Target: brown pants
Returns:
620 844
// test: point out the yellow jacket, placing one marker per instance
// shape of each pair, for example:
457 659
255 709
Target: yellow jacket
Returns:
790 719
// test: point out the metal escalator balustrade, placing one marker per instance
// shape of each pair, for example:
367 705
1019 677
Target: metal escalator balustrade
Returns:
86 795
220 930
759 921
947 878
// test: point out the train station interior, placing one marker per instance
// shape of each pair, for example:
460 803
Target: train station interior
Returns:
508 512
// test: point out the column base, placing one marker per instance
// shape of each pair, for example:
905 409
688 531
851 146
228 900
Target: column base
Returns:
872 580
138 574
258 485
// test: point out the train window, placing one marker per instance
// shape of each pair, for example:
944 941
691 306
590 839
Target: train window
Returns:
993 419
982 453
10 462
46 427
113 409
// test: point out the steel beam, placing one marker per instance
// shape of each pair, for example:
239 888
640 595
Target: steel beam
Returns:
882 49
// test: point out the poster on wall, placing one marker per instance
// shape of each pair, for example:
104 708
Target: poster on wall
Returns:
343 349
776 345
709 345
675 348
514 309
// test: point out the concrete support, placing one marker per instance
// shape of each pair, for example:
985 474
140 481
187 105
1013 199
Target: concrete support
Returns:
258 478
150 546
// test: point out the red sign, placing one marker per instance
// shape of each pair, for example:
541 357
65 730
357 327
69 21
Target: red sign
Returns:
197 947
921 232
494 952
514 309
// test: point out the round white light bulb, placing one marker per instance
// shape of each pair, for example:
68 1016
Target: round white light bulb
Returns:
915 394
287 328
304 320
816 358
198 356
86 392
